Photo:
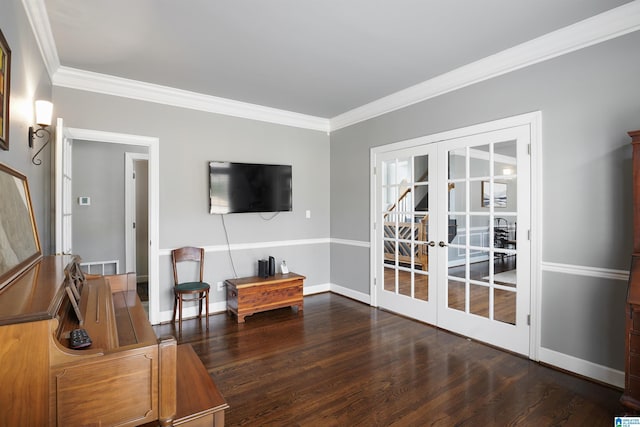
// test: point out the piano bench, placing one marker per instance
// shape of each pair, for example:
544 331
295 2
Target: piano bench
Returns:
199 403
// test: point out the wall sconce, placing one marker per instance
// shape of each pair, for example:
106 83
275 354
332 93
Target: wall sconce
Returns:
43 119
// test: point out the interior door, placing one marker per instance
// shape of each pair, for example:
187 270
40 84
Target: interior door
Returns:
452 224
484 270
405 193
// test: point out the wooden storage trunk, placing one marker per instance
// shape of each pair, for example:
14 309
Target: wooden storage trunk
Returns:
249 295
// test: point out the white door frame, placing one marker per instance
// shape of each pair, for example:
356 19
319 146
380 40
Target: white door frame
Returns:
534 121
62 172
130 209
153 145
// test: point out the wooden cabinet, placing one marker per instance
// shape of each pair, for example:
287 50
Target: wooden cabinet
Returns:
250 295
631 396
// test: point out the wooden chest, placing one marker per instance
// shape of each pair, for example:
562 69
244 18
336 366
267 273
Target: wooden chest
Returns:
249 295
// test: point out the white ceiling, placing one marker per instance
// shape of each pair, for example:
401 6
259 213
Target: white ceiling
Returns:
321 58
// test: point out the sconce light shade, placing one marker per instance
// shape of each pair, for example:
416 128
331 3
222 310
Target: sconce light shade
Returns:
44 110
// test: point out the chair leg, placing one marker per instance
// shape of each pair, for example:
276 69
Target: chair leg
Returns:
207 309
180 313
175 306
200 296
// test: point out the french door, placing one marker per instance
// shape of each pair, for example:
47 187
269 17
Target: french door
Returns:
451 234
406 228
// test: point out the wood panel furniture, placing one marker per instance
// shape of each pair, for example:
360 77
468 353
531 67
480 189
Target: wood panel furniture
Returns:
249 295
199 402
127 377
631 395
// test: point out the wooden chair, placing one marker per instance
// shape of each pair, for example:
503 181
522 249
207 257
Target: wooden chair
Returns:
189 291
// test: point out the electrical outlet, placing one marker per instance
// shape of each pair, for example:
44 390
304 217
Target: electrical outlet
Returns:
220 286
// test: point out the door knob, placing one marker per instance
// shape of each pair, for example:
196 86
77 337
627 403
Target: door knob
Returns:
442 244
431 243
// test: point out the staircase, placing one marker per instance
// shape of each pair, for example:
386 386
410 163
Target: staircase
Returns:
421 254
406 228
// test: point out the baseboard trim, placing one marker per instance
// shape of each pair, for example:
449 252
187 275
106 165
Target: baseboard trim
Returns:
221 306
316 289
582 367
350 293
191 312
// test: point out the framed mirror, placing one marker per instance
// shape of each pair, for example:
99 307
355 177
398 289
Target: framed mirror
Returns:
19 242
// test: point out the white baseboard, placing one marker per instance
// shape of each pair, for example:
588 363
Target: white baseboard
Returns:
221 306
316 289
350 293
187 312
582 367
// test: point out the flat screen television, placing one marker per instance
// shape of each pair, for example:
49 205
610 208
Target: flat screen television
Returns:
249 187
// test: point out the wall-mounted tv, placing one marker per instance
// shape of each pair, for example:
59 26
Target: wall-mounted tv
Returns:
249 187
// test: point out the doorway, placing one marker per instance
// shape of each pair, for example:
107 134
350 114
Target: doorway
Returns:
451 224
136 220
64 139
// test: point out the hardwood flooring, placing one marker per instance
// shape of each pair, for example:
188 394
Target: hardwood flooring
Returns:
343 363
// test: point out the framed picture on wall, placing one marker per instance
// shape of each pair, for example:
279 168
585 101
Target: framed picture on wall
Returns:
499 194
5 86
20 245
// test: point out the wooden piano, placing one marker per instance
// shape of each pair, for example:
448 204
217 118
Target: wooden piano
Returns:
127 377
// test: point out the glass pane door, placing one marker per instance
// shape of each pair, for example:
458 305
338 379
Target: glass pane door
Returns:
484 291
403 205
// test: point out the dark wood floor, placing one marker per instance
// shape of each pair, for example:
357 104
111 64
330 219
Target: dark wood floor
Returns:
343 363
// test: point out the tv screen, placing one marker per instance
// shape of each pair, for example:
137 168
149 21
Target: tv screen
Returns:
249 187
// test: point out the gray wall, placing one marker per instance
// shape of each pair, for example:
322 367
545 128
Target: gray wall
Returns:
29 81
98 172
189 139
589 99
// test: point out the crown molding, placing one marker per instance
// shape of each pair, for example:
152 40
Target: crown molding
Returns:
36 12
118 86
597 29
